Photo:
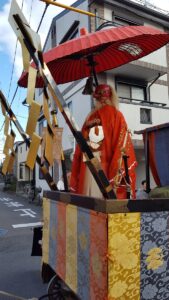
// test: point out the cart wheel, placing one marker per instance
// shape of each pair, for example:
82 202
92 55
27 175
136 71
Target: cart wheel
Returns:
54 289
57 289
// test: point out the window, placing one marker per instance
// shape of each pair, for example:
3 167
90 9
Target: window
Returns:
72 32
70 106
122 21
131 91
21 149
42 124
145 116
96 19
53 36
21 167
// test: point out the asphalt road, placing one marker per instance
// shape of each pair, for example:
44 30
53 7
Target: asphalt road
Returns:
20 273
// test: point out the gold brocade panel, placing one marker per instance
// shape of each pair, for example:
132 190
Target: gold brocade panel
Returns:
124 256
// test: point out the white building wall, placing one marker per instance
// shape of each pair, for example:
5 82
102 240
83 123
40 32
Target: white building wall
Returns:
67 20
21 158
159 93
157 57
81 106
132 116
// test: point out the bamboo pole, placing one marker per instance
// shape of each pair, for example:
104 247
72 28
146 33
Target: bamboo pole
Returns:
69 7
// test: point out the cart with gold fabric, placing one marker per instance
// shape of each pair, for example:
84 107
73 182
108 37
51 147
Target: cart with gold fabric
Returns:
104 249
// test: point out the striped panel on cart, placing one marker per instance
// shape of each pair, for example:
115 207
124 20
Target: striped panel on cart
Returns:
79 248
86 249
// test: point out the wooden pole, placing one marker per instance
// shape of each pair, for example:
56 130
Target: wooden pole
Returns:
69 7
13 118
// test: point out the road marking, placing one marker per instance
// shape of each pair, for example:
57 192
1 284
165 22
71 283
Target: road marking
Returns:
27 225
26 212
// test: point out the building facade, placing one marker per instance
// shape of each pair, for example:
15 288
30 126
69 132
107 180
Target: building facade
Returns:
142 85
24 174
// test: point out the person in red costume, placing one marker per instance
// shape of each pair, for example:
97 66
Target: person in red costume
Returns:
106 133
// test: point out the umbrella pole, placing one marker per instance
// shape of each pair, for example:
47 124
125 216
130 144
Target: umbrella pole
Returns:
95 76
92 64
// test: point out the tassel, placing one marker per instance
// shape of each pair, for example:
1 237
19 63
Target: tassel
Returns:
88 89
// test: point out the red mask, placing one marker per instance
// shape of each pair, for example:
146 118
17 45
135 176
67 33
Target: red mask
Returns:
102 90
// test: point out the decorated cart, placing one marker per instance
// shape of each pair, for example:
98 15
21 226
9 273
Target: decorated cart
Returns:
104 249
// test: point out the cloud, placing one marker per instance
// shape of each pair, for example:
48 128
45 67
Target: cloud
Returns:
32 14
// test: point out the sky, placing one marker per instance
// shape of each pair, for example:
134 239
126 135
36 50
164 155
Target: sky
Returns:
11 63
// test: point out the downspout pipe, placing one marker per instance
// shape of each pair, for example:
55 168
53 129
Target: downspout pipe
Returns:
154 80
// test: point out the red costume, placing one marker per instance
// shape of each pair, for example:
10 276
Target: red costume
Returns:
115 142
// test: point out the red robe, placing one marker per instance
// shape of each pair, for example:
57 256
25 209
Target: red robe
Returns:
115 129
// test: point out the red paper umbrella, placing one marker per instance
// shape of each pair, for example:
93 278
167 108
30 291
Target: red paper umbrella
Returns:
101 50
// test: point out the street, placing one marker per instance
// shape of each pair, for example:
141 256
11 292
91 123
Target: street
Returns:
20 273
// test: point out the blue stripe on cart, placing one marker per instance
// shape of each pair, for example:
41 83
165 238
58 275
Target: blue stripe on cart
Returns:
162 155
53 235
154 277
83 258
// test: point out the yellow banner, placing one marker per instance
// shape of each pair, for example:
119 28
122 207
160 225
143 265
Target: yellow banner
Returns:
11 162
5 164
33 117
57 143
25 56
33 150
9 142
31 85
6 127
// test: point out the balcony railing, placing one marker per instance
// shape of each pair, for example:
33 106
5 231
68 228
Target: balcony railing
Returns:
150 5
141 102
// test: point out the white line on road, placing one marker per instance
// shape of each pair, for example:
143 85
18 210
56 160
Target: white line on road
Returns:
27 225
